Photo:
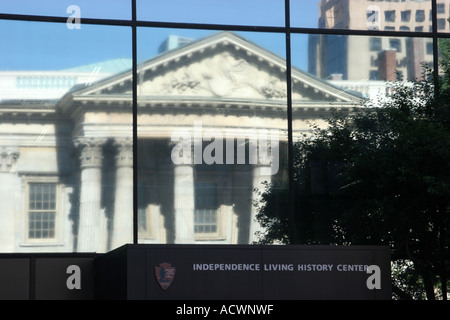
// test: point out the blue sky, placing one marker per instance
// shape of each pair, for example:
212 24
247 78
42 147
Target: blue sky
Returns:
53 46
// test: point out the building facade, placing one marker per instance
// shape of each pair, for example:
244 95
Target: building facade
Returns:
211 129
375 58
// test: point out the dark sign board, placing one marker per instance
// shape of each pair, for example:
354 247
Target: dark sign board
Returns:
46 277
208 272
201 272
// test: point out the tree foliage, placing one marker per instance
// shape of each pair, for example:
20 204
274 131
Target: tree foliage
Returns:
377 176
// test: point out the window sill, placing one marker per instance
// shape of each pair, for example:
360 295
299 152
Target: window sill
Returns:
41 244
210 238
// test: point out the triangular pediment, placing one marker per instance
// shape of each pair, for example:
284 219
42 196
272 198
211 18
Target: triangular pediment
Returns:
221 67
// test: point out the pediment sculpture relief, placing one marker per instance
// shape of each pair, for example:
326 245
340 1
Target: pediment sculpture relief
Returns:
223 76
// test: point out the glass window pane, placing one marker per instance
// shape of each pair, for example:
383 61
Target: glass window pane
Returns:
443 15
41 225
211 129
66 135
353 72
237 12
444 54
364 58
406 15
100 9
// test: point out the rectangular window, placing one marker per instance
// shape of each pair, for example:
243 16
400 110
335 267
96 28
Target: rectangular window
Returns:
212 11
375 44
443 12
209 195
206 204
420 16
389 16
42 211
205 221
406 16
395 44
441 24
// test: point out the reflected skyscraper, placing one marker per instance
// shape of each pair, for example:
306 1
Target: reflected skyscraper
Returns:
354 58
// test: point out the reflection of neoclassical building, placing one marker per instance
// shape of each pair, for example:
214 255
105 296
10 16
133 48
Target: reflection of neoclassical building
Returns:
211 126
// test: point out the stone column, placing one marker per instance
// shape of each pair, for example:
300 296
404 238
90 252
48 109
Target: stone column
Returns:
259 176
123 206
184 203
10 199
90 238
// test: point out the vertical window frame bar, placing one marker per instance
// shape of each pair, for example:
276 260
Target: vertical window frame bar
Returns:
435 48
135 135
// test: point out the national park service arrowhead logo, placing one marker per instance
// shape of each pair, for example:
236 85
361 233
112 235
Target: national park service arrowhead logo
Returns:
165 274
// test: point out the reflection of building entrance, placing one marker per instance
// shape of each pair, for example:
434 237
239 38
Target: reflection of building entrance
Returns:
192 203
155 191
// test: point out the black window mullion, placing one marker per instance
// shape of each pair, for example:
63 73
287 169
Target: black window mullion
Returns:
435 47
135 136
293 231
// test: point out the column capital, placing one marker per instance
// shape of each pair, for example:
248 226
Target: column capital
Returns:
91 154
8 158
124 157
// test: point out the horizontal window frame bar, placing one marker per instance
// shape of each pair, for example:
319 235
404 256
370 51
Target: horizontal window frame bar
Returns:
225 27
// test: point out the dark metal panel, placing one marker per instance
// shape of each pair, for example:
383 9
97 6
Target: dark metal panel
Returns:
64 278
14 278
